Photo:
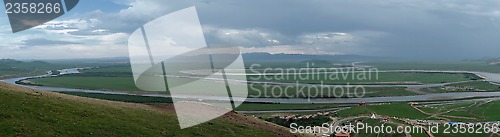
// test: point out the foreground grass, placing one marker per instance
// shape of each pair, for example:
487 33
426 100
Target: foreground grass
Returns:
36 114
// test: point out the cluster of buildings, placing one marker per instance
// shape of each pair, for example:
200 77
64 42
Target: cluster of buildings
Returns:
299 117
424 122
458 88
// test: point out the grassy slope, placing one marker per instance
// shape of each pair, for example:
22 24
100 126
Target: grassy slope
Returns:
26 112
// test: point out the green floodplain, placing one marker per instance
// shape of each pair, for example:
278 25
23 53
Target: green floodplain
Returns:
118 77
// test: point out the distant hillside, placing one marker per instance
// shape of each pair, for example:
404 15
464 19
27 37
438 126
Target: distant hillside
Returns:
266 57
23 64
9 61
248 57
14 68
38 62
28 112
317 62
495 61
488 60
90 60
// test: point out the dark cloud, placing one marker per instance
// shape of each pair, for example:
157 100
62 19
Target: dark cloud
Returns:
406 29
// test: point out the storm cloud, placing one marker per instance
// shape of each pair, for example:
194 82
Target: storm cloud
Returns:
448 29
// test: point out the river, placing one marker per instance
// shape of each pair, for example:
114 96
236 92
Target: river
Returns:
492 77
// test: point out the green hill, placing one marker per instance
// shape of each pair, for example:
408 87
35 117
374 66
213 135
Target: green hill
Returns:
28 112
14 68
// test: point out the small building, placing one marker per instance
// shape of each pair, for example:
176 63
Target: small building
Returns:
341 134
362 104
385 119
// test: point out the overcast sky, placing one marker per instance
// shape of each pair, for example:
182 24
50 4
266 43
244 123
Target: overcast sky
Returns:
445 29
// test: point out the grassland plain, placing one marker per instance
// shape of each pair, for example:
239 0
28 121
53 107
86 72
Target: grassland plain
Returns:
377 122
462 112
480 112
388 109
366 78
28 112
442 134
394 124
270 106
273 91
244 107
467 112
127 84
119 78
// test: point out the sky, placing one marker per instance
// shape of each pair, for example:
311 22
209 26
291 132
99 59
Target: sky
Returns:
416 29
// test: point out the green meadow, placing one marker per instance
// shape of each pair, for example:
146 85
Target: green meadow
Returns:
366 78
38 114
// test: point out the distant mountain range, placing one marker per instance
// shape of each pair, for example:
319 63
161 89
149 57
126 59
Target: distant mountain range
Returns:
248 57
266 57
13 68
253 58
11 63
90 60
